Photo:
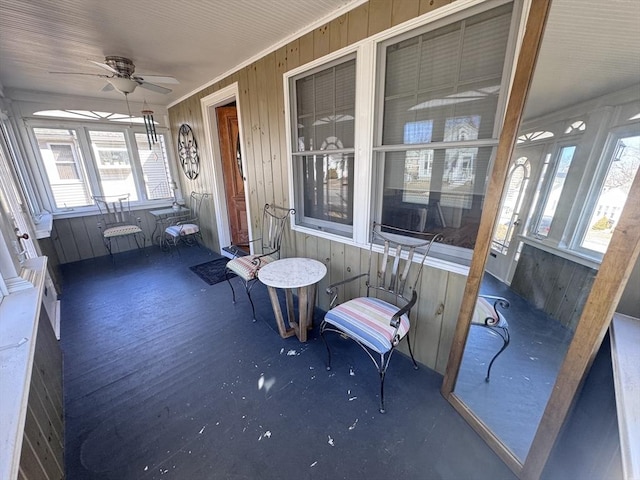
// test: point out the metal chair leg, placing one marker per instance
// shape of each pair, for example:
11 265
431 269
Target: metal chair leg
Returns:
326 344
107 244
233 292
415 364
381 409
248 288
506 339
382 370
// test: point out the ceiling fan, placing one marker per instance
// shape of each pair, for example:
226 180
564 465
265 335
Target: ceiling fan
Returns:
122 76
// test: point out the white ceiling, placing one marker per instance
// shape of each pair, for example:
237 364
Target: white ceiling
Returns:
192 40
590 47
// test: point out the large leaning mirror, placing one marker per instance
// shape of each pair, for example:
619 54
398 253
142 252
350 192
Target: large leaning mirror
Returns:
569 172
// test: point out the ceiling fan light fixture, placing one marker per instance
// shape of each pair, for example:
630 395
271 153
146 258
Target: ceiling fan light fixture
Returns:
123 85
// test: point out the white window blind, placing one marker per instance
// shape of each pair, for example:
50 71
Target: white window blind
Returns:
323 146
440 99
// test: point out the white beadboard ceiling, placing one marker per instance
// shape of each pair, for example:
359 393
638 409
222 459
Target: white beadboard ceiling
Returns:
590 46
192 40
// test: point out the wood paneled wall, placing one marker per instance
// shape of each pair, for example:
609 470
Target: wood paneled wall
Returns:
79 238
555 285
261 105
42 457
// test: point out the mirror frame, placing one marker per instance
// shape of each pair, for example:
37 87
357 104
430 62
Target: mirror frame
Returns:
609 283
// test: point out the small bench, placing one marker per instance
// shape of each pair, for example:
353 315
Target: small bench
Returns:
486 315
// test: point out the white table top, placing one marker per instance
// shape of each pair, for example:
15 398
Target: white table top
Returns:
292 272
169 211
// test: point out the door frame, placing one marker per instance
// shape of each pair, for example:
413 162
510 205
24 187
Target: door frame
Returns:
209 104
503 267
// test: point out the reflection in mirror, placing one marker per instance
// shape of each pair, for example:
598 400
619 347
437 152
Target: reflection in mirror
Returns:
577 153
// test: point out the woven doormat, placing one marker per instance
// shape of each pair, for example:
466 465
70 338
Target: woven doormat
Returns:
212 272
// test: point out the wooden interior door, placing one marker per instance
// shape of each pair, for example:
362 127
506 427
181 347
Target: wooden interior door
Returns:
233 175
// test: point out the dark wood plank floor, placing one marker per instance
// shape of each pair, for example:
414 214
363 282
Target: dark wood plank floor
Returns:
513 401
166 378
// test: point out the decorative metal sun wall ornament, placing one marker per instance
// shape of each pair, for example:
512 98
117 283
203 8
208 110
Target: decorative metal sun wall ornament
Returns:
188 152
149 124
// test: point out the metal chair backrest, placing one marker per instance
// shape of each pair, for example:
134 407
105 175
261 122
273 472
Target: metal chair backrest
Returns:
274 219
194 204
402 258
115 210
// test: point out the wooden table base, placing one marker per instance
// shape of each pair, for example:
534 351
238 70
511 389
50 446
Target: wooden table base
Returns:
306 304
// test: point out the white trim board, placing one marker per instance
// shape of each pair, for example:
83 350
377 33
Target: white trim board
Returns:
212 145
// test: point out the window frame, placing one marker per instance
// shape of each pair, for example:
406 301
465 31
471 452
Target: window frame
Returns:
544 186
88 163
454 259
602 169
132 153
76 163
448 252
296 157
605 120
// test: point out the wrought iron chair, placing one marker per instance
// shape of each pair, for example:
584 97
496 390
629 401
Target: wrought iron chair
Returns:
186 228
378 323
486 315
266 249
117 220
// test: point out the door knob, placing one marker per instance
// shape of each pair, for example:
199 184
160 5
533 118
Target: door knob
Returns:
24 236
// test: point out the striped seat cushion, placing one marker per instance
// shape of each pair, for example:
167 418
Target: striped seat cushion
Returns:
182 230
121 230
367 320
484 314
245 268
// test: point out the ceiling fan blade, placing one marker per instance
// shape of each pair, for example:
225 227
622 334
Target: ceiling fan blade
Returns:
106 67
156 79
154 88
80 73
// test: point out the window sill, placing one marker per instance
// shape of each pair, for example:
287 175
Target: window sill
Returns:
19 312
446 264
92 210
625 357
44 225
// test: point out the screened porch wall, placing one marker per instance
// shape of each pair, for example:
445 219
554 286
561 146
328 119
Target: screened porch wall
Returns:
262 112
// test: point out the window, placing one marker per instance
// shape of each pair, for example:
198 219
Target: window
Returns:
80 162
429 103
510 209
61 155
154 165
586 169
535 136
114 166
576 127
623 160
441 93
323 117
552 198
66 162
